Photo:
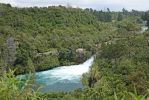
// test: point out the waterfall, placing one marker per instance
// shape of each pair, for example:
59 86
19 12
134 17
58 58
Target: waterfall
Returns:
64 78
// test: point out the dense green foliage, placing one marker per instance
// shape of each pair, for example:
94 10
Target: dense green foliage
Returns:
10 89
46 37
105 16
42 38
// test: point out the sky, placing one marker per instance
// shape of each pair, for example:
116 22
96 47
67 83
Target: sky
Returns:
115 5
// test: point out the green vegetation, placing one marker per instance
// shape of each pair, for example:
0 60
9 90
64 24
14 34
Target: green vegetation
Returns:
10 89
46 37
34 39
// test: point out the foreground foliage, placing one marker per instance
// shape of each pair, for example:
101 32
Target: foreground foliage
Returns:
11 89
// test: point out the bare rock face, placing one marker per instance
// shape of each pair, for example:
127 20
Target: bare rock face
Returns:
9 52
80 55
52 52
79 50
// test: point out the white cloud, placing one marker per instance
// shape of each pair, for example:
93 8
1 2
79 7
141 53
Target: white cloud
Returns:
12 2
96 4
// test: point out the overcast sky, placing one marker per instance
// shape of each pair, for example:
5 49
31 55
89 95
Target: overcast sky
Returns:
95 4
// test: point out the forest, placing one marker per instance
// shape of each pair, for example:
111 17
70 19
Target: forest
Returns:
40 38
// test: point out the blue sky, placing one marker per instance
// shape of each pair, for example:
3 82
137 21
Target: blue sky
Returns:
95 4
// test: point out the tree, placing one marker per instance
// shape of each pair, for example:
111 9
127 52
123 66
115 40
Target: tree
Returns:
125 12
119 17
113 51
94 75
108 16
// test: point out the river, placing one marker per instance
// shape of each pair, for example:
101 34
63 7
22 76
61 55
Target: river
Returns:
64 78
144 27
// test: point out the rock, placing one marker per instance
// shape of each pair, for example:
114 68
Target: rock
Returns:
80 55
79 50
52 52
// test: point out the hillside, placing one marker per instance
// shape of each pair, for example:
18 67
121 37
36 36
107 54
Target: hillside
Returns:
26 33
36 39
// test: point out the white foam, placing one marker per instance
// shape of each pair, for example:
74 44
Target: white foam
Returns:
63 74
144 28
67 72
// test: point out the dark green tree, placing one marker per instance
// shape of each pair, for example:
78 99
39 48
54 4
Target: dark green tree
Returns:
119 17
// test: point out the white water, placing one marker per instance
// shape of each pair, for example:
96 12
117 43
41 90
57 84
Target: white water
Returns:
68 72
143 29
64 78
